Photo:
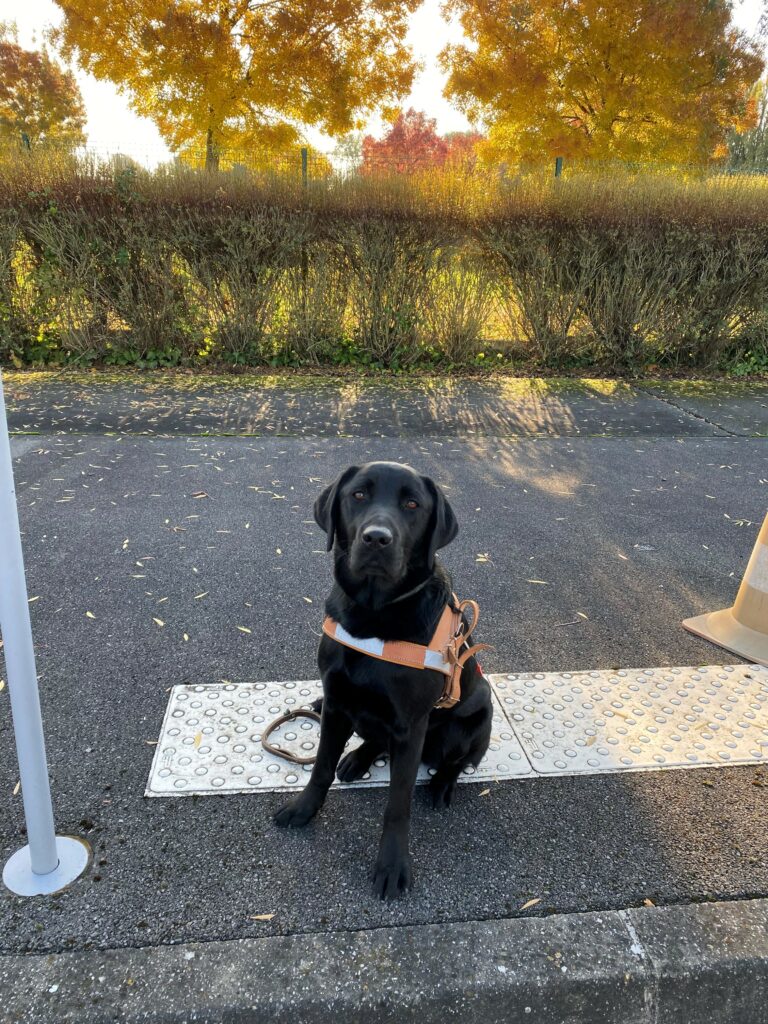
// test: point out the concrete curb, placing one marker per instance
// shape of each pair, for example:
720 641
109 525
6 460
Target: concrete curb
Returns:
697 964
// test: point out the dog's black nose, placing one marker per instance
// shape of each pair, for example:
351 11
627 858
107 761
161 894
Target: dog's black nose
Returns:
377 536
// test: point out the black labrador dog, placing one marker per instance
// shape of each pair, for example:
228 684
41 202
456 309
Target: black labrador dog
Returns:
385 522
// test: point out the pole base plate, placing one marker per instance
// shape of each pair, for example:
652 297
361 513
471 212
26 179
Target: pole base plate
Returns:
723 629
74 857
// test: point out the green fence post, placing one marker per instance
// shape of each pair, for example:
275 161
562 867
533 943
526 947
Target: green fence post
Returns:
558 166
304 259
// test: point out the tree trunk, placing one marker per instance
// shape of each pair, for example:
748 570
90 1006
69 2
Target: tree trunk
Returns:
211 153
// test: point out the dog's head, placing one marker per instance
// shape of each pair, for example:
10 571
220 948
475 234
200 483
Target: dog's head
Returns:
386 520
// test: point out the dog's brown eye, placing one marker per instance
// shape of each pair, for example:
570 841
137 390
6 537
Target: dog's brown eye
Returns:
411 504
359 495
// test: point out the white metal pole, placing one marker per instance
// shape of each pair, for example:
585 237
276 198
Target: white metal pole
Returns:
43 864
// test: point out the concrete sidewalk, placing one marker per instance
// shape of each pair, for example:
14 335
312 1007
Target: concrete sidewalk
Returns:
157 403
705 964
203 535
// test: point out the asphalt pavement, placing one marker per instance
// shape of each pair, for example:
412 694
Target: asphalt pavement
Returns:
149 556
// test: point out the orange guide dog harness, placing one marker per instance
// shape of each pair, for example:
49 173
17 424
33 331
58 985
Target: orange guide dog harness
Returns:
441 653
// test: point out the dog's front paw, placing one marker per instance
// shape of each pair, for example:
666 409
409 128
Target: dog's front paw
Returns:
392 876
295 814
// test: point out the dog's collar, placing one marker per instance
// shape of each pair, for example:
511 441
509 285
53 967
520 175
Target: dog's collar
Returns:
402 597
410 593
441 654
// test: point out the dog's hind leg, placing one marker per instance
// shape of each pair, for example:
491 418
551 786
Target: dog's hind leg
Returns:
357 762
443 783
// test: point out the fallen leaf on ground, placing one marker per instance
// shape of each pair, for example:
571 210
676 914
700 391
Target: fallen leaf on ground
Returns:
531 903
198 739
485 792
648 903
244 629
158 621
16 788
260 917
90 615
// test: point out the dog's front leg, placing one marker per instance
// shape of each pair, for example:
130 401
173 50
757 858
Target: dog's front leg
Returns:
393 873
335 730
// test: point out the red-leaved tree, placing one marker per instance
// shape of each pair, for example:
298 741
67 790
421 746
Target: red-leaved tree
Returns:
411 144
462 148
39 99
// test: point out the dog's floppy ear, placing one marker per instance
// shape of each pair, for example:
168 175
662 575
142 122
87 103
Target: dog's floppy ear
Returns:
443 525
327 505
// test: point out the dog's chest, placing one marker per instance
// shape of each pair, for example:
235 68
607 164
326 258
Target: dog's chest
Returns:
379 697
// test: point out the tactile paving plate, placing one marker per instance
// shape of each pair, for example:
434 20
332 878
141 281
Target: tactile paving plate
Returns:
210 742
572 723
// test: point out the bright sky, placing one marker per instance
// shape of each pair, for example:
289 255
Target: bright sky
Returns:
112 125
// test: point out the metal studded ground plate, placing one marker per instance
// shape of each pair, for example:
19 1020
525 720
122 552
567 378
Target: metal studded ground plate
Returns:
573 723
210 742
556 723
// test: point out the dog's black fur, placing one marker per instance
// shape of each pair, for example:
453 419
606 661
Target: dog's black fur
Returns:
385 522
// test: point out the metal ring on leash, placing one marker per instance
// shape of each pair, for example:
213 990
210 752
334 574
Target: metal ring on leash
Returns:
289 716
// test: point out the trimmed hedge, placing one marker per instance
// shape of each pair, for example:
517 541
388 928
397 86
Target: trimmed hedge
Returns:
123 266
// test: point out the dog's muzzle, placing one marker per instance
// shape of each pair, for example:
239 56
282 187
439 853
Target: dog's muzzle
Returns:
377 549
376 537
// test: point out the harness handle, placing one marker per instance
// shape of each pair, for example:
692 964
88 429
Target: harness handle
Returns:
462 606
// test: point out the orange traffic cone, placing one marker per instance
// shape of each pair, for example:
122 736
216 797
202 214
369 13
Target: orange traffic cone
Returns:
742 629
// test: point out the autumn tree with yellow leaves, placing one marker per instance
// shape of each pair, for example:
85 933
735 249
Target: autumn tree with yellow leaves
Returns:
638 80
39 100
748 150
244 74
